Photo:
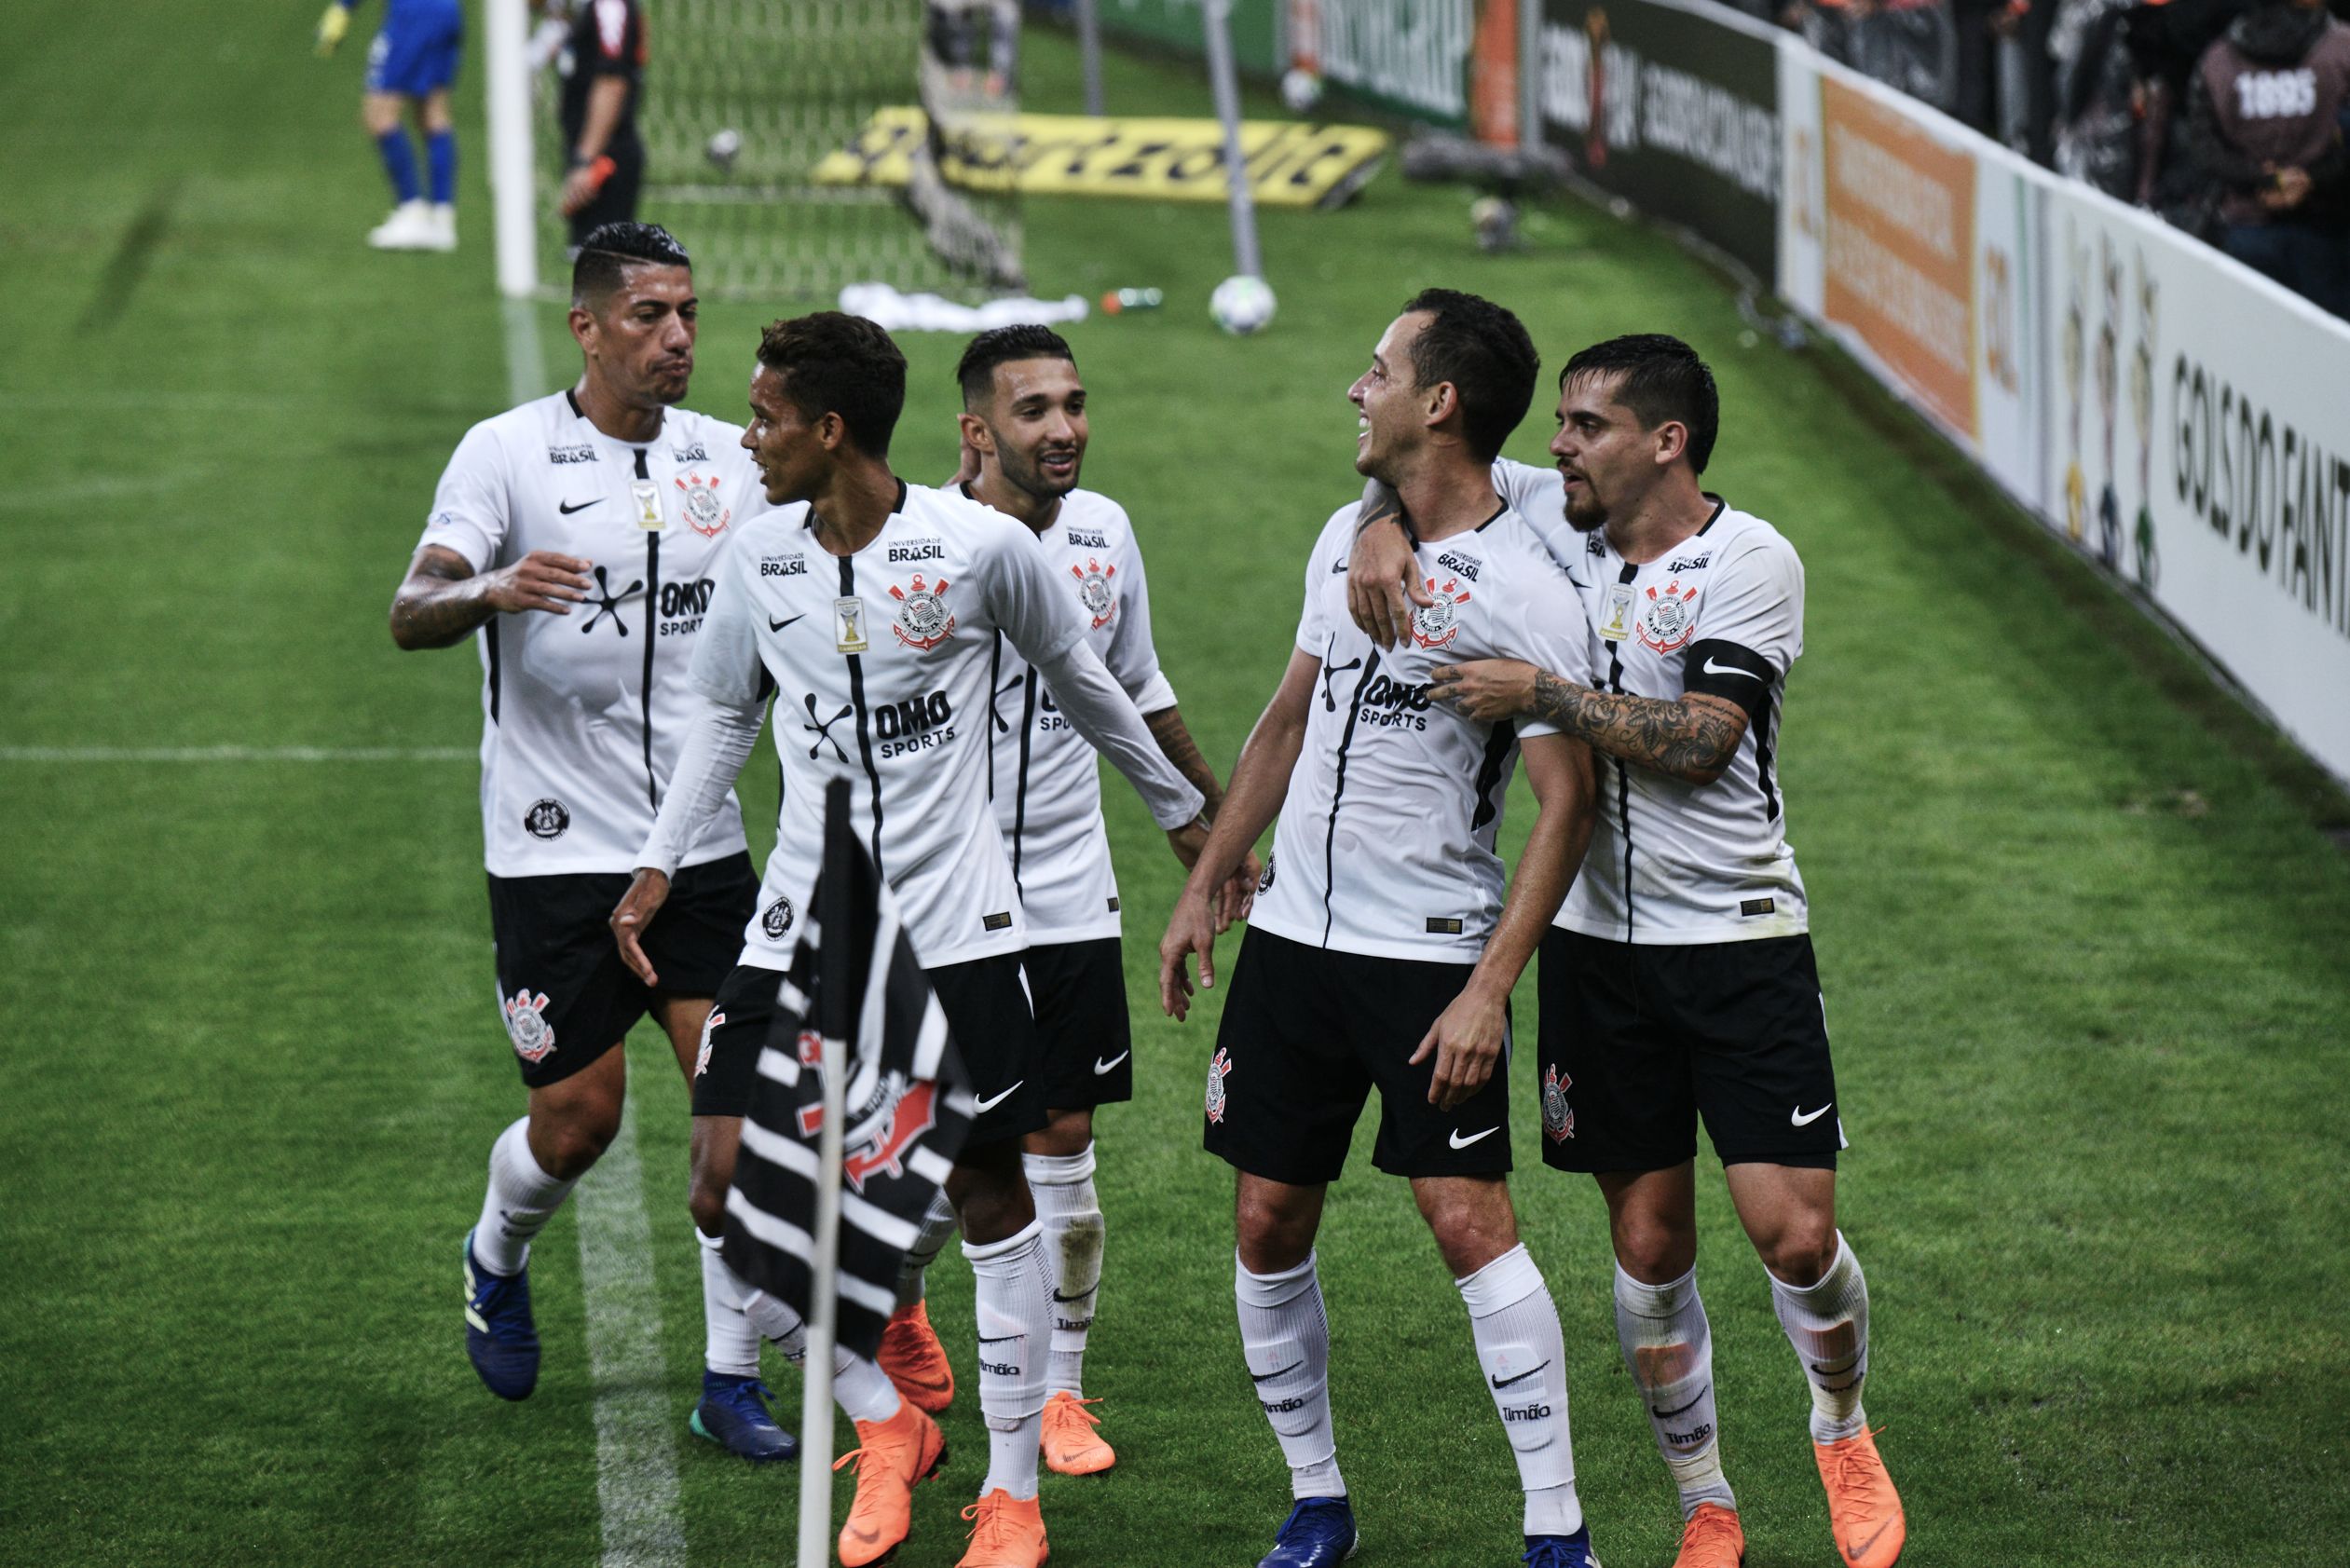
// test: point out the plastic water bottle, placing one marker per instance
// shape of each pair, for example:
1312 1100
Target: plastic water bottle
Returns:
1120 300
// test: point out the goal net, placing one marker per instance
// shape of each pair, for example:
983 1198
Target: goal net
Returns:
742 100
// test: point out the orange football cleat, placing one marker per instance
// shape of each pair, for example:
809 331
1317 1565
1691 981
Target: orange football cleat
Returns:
916 1361
1713 1538
1071 1446
1006 1532
1864 1510
890 1457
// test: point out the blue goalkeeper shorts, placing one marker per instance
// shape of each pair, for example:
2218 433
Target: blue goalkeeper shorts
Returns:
416 51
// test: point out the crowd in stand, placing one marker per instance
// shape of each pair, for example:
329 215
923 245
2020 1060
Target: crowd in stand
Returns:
2228 117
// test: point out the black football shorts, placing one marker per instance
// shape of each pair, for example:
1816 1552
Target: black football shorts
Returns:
1639 1040
564 995
1085 1040
1306 1033
987 1008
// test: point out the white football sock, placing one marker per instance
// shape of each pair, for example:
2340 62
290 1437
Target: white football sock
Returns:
1828 1323
730 1343
1071 1213
521 1199
1285 1336
859 1387
1014 1286
938 1223
1519 1344
1668 1347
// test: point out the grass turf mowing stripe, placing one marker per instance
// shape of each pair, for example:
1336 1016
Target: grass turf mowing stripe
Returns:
636 1445
238 753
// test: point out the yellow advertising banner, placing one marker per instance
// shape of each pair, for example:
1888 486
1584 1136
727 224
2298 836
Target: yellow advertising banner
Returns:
1288 164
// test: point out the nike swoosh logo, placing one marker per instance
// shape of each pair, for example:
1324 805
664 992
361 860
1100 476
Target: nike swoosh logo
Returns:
1714 669
1802 1120
775 625
1860 1549
1101 1067
1506 1382
1067 1301
867 1536
567 508
996 1100
1668 1415
1001 1339
1460 1142
1268 1377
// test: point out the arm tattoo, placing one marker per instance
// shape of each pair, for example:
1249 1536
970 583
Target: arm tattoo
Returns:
1684 740
434 606
1380 504
1175 741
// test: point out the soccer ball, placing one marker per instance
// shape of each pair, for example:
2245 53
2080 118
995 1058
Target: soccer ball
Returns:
1300 90
723 147
1242 305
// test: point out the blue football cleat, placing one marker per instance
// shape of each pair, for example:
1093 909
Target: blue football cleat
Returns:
499 1338
1320 1531
1561 1551
733 1414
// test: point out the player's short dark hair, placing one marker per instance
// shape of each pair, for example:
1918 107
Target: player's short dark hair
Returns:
975 371
610 250
1485 352
1663 380
832 363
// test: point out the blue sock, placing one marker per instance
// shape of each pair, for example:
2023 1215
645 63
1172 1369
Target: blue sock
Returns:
440 151
400 163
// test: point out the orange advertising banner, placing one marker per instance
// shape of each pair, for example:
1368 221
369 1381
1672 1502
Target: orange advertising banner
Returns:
1900 262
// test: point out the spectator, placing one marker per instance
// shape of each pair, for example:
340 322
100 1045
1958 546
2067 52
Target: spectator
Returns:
2265 123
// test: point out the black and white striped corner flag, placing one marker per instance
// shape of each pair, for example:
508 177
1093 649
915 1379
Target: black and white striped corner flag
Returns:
854 993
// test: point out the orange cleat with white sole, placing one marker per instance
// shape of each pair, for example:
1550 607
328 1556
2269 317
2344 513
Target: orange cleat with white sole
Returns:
1864 1510
1071 1446
1006 1532
891 1456
1713 1538
916 1361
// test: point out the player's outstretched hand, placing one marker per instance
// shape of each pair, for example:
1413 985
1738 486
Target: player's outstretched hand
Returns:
541 581
1484 689
966 465
1191 931
1382 582
1238 893
1465 1041
335 22
635 910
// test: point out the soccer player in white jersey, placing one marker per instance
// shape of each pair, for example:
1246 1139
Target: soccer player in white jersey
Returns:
576 539
1679 981
870 611
1025 422
1382 951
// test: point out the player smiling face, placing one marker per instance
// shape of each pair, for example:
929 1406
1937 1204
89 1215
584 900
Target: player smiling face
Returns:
1388 400
1036 419
638 338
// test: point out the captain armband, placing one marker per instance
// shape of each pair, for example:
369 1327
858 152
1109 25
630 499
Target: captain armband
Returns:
1734 673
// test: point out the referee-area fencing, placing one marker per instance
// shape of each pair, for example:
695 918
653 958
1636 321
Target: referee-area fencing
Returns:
2178 418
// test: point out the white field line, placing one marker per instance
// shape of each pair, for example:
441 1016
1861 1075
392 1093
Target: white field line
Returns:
636 1419
238 753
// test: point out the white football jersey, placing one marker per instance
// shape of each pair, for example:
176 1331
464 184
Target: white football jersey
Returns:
582 713
1385 845
1047 781
879 665
1670 862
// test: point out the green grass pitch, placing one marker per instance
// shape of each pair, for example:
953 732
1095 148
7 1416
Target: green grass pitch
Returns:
2084 955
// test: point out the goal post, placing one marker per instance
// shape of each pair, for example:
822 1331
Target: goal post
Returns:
741 100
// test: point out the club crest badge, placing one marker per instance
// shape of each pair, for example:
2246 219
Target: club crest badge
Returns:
526 1026
1669 619
778 920
1218 1067
1558 1118
705 514
546 819
924 620
709 1027
1436 625
1094 591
